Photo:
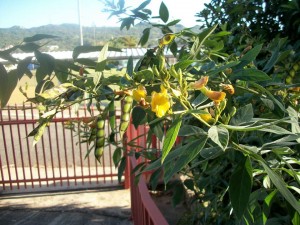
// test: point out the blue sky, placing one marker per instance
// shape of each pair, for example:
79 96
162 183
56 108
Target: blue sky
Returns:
33 13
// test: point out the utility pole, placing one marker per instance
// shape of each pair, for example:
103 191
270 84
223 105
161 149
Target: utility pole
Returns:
79 20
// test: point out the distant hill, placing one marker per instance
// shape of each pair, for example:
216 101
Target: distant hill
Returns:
69 36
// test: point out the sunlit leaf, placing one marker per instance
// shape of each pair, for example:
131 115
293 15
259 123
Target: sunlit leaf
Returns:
170 138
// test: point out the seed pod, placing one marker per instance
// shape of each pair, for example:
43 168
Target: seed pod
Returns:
161 62
155 70
125 114
100 138
173 72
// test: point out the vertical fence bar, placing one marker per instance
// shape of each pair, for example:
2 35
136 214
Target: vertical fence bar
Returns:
80 150
6 154
73 153
58 154
28 146
21 147
13 148
45 161
65 148
51 157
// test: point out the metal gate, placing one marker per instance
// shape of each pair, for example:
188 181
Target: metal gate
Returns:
58 161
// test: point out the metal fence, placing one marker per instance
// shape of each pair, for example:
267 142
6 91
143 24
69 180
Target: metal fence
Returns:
58 161
144 210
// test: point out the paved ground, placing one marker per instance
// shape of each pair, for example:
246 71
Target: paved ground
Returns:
88 207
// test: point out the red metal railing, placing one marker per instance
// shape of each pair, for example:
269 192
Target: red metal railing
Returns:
56 162
144 210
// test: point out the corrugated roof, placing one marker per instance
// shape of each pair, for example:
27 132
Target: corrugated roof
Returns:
136 53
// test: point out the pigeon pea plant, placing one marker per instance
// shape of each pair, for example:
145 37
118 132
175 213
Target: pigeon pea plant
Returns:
238 124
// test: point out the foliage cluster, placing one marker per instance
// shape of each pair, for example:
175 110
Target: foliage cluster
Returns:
234 109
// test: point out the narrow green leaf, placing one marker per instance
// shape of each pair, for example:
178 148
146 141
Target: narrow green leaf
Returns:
117 156
250 56
85 49
183 64
129 69
142 6
250 74
170 138
281 186
38 37
145 37
163 12
219 135
173 23
240 185
121 168
184 155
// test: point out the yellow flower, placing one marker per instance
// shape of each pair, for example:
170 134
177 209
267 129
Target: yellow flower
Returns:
200 83
160 103
139 94
216 96
167 39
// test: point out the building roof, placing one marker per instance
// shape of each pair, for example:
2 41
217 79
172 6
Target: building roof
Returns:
136 53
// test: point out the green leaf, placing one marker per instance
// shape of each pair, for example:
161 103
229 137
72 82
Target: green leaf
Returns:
156 126
240 185
38 37
117 156
29 47
102 59
129 69
7 85
189 130
211 152
22 67
243 115
86 62
145 37
47 64
170 138
61 70
219 135
185 155
142 6
163 12
294 121
281 186
183 64
121 168
85 49
296 218
217 70
144 75
197 46
178 194
250 74
250 56
154 179
126 22
138 116
173 23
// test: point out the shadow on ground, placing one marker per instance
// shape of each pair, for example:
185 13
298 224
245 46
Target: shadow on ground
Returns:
74 208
